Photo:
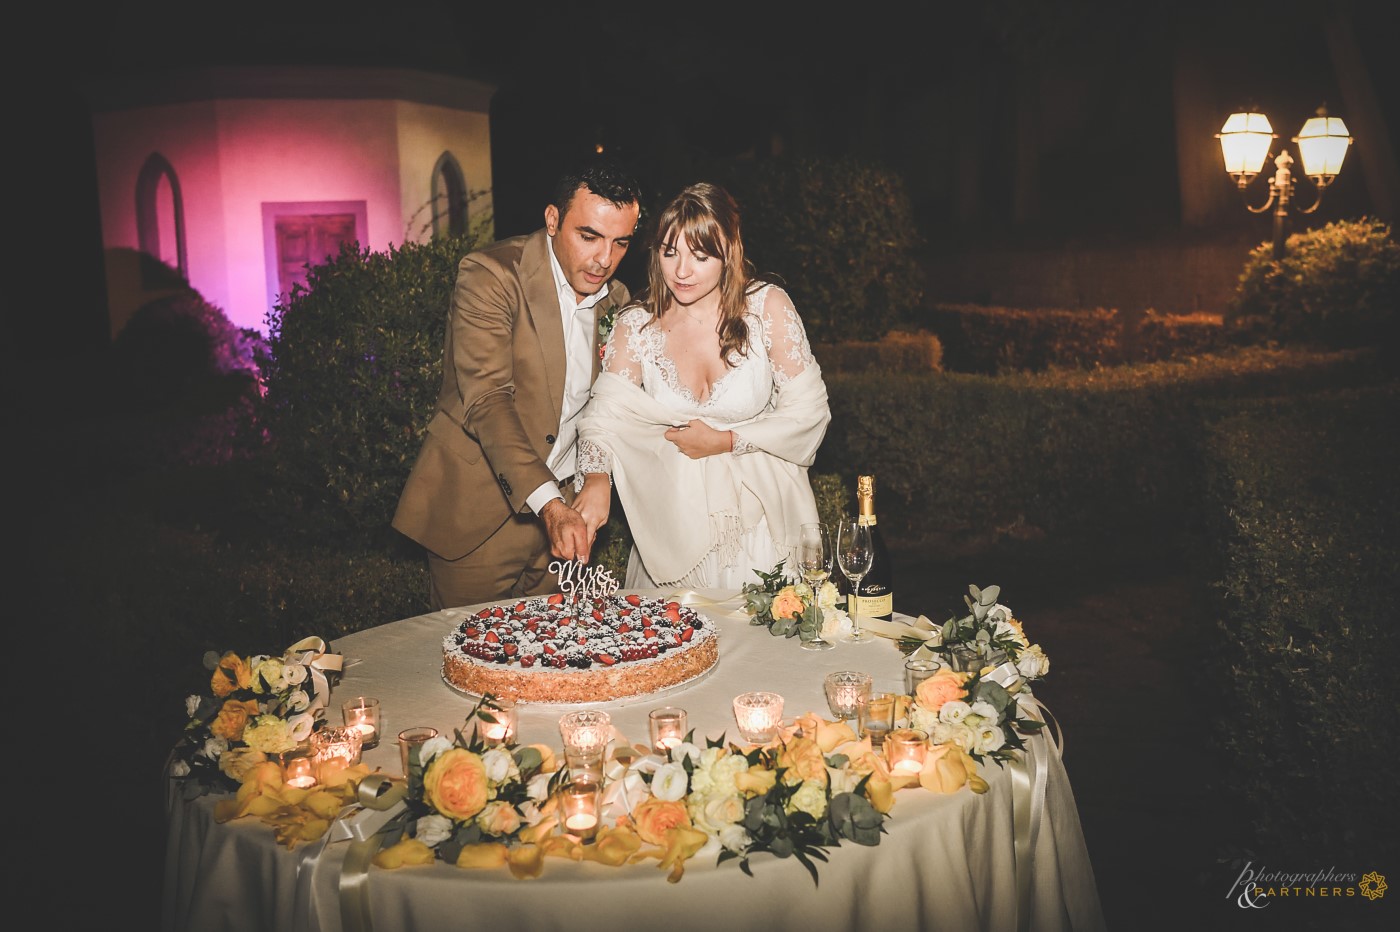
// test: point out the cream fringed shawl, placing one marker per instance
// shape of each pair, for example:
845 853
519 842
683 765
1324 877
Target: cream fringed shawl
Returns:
679 509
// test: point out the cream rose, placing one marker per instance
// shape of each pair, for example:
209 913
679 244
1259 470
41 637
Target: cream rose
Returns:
498 764
269 734
669 782
809 798
236 763
498 818
433 830
432 748
1033 664
267 676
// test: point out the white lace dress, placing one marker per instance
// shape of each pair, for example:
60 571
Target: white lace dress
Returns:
778 352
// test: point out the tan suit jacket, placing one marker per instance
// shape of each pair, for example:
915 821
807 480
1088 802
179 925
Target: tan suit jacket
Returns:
502 394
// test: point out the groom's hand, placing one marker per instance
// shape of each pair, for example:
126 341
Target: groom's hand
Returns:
698 439
569 538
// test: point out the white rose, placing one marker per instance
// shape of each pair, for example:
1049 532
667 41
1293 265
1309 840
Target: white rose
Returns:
214 748
717 812
433 830
809 798
1033 663
923 719
268 672
298 700
432 748
498 764
989 738
954 711
686 750
734 837
538 787
300 726
842 780
944 733
191 705
985 710
294 674
726 769
179 769
669 783
836 625
827 596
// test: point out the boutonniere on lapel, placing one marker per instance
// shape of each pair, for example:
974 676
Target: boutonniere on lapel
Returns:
605 326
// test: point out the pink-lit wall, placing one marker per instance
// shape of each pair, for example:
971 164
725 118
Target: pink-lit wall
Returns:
231 155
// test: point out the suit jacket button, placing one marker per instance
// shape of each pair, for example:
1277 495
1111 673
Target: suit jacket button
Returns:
504 484
548 438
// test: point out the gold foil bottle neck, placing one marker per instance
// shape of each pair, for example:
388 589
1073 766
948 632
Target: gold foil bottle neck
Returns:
865 498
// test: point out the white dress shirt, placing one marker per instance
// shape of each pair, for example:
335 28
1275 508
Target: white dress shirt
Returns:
580 344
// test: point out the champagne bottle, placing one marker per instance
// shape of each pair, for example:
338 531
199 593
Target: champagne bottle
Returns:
876 593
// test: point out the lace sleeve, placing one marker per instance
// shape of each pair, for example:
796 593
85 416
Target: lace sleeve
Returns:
591 458
622 355
784 337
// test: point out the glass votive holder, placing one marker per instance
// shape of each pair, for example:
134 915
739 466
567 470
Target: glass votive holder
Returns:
875 717
496 726
299 767
668 727
844 690
581 809
586 734
362 714
905 749
918 669
411 738
336 749
758 715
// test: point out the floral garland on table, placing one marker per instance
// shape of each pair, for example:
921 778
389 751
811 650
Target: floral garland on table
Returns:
976 702
258 707
797 796
788 607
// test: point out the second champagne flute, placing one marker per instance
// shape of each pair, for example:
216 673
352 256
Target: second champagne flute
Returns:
854 553
814 562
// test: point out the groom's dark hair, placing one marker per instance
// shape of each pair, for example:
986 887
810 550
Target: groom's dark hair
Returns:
603 176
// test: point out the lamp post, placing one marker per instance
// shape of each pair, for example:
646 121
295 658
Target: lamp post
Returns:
1245 140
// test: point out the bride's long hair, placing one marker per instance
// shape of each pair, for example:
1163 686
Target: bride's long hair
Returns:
707 217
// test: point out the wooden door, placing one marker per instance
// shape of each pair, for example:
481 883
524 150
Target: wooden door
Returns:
308 239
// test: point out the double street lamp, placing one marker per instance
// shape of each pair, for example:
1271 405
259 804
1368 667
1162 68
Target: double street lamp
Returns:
1245 140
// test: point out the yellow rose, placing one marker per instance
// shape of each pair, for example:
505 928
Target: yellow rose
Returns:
948 768
455 784
786 604
944 686
613 846
755 781
880 792
232 673
233 718
655 817
406 851
804 762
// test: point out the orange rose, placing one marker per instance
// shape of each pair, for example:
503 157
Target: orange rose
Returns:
232 673
804 762
786 604
455 784
655 817
944 686
233 718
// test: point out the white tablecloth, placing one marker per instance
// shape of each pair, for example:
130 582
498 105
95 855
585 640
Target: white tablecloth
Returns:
947 862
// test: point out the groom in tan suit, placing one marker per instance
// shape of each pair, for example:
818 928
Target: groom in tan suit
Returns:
491 496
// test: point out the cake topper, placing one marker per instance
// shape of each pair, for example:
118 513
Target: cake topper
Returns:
579 581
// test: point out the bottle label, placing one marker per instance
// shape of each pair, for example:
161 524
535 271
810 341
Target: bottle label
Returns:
874 606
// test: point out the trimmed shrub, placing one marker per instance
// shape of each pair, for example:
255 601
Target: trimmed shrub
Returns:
897 351
841 236
1173 336
353 370
989 340
1338 285
1308 529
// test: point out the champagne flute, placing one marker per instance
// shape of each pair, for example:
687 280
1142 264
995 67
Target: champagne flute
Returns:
854 552
814 562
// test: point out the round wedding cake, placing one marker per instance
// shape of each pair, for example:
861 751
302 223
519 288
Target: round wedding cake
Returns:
550 649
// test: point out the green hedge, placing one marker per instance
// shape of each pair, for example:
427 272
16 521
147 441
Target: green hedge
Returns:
1099 452
987 340
1304 649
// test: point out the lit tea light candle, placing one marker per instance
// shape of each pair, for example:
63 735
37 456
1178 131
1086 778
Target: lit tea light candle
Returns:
299 771
758 715
362 714
335 749
580 803
668 727
905 749
497 726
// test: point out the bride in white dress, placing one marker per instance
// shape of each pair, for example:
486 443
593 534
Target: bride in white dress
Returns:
709 409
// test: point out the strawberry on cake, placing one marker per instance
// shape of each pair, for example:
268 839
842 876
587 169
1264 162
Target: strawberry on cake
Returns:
551 649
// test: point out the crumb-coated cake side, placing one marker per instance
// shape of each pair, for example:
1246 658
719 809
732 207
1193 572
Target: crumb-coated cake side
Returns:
546 649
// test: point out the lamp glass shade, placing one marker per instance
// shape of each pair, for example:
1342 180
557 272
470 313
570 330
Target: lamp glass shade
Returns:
1323 143
1245 140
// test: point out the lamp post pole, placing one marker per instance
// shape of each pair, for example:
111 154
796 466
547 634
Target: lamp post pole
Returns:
1283 186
